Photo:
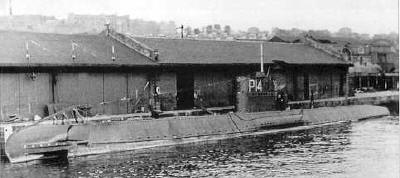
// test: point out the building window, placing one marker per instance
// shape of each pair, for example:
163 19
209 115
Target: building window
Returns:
382 58
360 50
360 59
346 54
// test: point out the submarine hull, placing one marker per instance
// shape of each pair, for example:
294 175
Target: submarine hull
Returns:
102 136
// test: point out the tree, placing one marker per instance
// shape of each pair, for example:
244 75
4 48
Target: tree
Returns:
217 27
227 29
393 36
209 29
364 37
253 30
344 32
263 35
279 32
196 31
188 30
297 32
320 33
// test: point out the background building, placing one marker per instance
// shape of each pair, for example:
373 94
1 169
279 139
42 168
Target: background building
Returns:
375 63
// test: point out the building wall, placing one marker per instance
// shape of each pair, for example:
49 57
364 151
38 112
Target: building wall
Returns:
167 83
387 60
324 82
298 93
127 92
79 88
115 89
23 97
213 89
137 93
106 93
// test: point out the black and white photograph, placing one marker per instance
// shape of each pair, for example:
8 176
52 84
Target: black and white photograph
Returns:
199 88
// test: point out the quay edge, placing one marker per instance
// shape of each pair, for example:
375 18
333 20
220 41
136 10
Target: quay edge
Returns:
377 98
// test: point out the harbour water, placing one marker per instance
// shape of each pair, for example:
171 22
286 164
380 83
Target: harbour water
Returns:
368 148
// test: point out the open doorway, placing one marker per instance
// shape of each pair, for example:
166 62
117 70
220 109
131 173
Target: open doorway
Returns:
185 90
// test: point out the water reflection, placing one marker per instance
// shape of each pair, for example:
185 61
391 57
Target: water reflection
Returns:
363 149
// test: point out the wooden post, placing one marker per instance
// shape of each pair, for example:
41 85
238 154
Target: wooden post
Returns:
128 95
331 84
385 83
53 81
294 77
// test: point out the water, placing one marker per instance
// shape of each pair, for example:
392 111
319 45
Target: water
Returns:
363 149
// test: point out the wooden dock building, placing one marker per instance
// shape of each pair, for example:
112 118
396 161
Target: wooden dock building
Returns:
113 73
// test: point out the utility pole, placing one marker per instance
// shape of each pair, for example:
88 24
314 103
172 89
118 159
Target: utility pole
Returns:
181 28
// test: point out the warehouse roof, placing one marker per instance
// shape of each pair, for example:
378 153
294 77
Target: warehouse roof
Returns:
186 51
96 50
57 50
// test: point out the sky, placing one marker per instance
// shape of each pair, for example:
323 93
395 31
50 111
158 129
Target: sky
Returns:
362 16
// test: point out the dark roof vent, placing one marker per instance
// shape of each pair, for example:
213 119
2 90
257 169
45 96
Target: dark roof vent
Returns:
27 55
74 53
113 56
155 54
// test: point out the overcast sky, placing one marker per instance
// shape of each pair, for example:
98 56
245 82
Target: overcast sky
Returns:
363 16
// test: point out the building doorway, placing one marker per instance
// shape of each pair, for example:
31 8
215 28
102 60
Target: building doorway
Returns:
185 90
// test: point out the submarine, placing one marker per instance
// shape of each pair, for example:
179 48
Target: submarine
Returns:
104 134
71 133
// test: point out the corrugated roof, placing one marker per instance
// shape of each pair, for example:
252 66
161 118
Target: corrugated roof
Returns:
184 51
56 50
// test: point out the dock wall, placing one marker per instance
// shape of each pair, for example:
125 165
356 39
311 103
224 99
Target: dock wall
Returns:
379 98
